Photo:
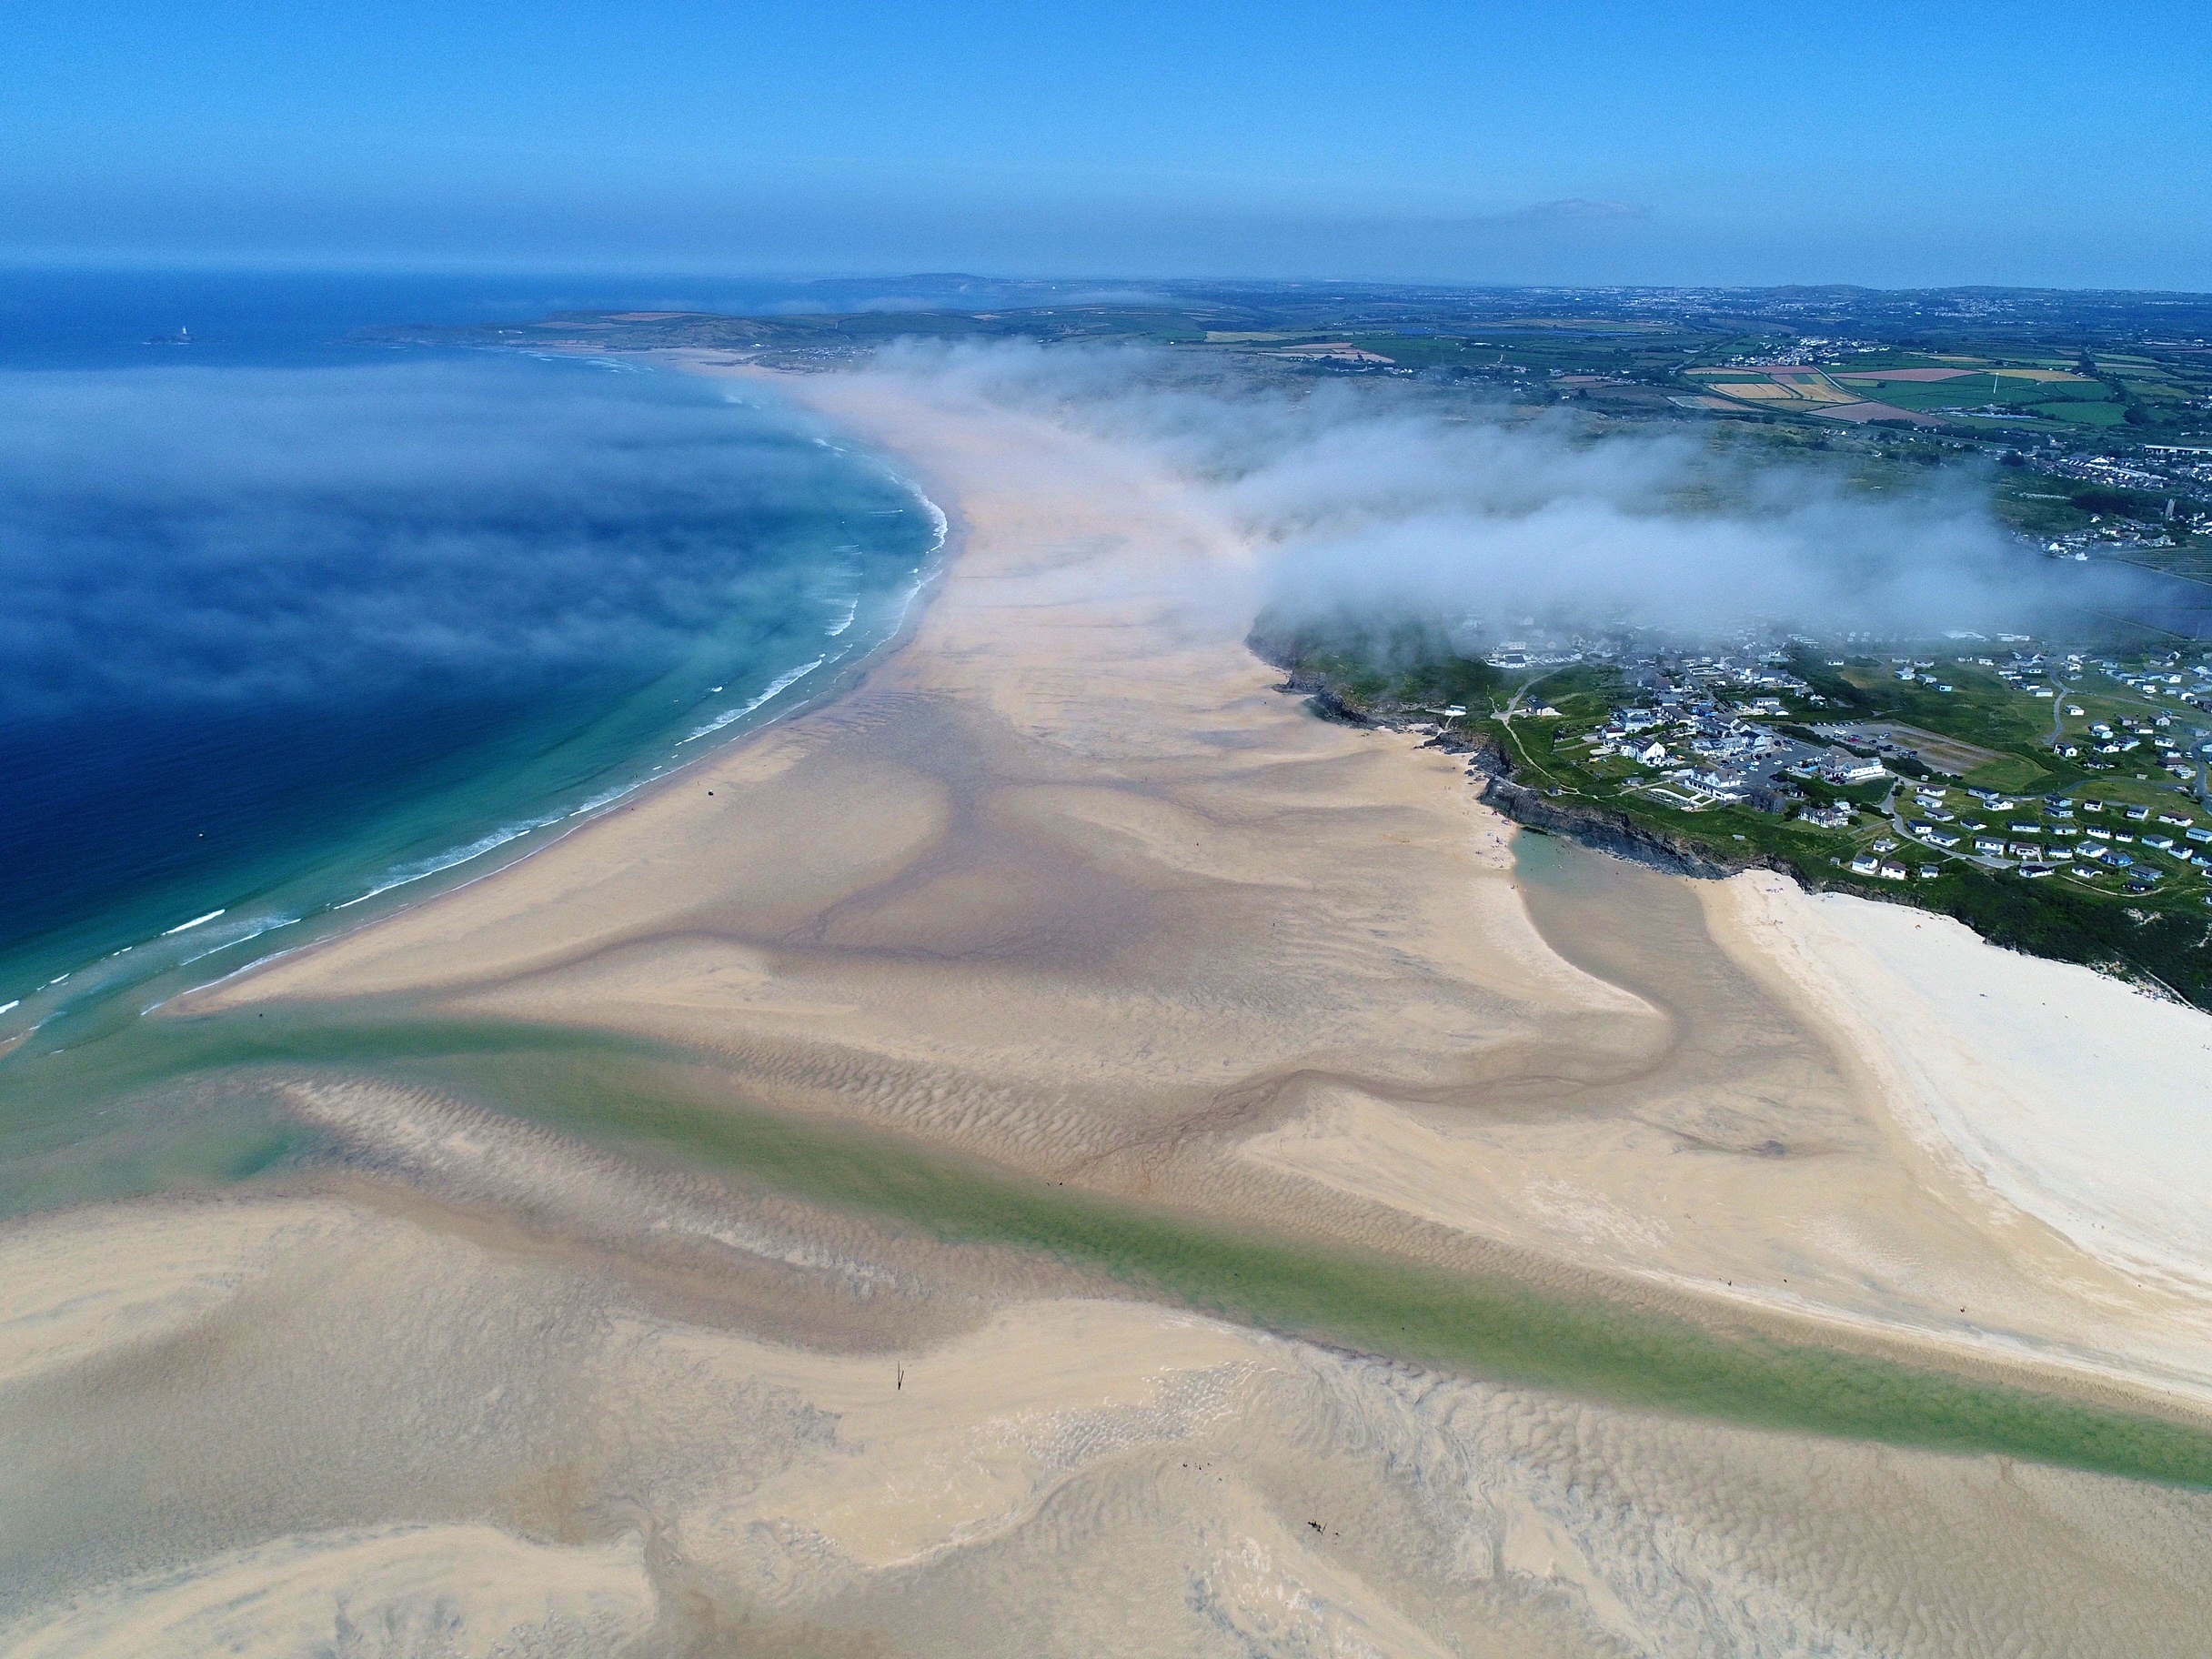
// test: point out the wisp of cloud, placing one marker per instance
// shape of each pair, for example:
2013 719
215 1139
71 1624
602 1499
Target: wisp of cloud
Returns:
1385 498
265 536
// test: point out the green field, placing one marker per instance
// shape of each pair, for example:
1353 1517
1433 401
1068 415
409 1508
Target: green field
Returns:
2062 401
2086 414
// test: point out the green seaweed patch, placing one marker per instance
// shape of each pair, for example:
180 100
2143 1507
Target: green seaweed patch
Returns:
1487 1326
649 1102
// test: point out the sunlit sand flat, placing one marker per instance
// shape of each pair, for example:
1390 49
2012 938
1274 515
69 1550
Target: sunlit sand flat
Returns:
576 1470
1068 904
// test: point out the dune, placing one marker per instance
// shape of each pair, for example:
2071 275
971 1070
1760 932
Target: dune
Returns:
2077 1098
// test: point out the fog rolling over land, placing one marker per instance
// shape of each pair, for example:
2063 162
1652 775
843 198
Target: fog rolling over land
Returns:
1052 1148
1383 499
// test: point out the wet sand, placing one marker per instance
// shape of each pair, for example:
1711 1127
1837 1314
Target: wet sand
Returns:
377 1429
1068 886
1808 1136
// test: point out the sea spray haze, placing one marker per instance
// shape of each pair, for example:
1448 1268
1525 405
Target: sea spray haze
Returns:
1371 496
251 610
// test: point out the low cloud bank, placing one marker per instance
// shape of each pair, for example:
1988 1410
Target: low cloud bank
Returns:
243 537
1381 497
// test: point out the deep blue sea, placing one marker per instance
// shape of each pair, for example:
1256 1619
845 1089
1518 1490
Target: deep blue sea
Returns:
297 629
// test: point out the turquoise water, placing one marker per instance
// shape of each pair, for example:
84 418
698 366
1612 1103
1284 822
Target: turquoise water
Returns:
659 1106
299 632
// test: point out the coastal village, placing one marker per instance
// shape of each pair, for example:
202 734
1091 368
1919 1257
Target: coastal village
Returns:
2111 794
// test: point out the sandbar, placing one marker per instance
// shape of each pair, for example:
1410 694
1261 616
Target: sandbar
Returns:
1068 886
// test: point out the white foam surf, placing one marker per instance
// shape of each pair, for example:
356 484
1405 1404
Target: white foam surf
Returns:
776 688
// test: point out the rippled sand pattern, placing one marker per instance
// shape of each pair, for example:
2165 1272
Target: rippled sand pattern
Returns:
1067 893
401 1433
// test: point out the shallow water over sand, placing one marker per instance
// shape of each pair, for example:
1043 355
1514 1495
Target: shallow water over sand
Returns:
891 1201
294 646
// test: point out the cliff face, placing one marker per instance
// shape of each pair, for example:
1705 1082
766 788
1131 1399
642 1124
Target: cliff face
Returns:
1603 829
1607 830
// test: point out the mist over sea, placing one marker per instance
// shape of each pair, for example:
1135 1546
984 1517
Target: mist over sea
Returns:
297 627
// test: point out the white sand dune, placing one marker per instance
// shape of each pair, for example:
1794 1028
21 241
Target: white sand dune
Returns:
2084 1102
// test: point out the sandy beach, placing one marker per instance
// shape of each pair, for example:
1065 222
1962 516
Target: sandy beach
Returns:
1069 887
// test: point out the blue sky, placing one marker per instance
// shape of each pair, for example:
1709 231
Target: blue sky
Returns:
1871 141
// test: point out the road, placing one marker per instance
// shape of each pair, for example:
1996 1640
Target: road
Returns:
1895 814
1506 721
2058 710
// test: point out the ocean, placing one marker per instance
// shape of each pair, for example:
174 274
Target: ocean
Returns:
299 630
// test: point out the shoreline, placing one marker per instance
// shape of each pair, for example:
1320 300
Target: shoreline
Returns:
850 677
1624 831
1479 1213
458 866
890 1174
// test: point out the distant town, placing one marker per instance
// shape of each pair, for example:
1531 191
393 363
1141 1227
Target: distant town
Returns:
1714 730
